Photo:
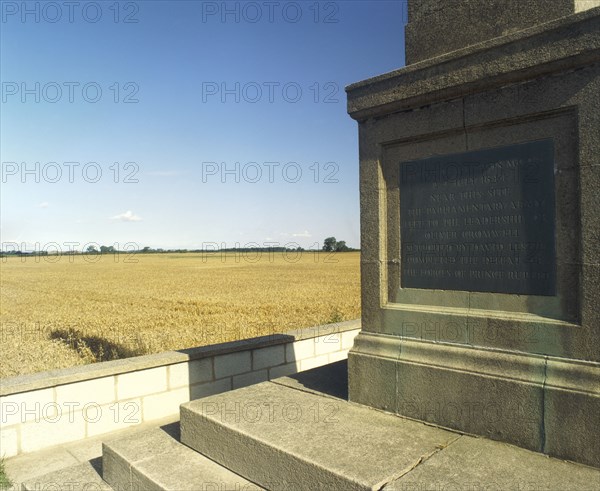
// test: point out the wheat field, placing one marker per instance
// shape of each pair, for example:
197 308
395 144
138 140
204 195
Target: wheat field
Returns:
62 311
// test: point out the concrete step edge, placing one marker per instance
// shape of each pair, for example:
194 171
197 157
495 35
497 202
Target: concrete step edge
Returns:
78 477
155 460
321 450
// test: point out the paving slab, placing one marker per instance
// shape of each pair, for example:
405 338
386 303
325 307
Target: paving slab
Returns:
472 463
280 437
154 460
80 477
30 466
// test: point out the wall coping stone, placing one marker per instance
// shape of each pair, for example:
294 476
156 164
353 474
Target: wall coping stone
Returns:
53 378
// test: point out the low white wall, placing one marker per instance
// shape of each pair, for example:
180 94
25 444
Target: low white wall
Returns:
50 408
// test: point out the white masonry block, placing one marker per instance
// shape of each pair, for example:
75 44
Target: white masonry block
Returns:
98 391
232 364
338 355
65 427
299 350
8 442
250 378
112 417
268 357
189 373
348 338
141 383
166 404
210 388
328 344
284 370
317 361
27 406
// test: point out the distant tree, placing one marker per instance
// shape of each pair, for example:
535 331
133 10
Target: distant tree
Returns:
91 249
146 249
341 246
329 244
107 249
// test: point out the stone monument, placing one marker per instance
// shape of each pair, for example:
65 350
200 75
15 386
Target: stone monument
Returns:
480 223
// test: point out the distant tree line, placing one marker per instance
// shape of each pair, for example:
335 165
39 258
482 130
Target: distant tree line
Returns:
330 244
23 253
149 250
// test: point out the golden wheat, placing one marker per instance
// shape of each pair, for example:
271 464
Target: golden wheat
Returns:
63 311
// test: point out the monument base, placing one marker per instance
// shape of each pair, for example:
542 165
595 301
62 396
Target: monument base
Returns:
542 403
480 290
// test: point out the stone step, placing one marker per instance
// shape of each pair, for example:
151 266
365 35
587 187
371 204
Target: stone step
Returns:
476 463
155 460
283 438
79 477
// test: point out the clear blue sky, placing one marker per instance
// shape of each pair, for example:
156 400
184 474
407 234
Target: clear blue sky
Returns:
284 66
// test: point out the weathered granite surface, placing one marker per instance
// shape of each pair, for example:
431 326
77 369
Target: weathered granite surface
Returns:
518 368
437 27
